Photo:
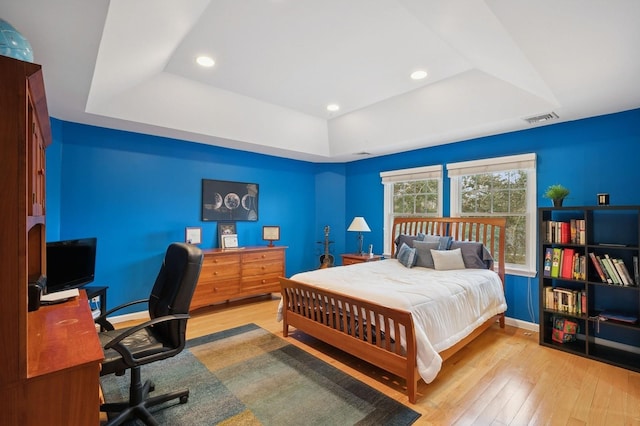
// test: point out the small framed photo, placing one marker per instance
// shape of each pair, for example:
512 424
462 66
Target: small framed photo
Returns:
229 241
226 228
271 234
193 235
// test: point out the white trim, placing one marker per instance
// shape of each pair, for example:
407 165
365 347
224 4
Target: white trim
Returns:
405 175
525 325
498 164
416 173
487 165
133 316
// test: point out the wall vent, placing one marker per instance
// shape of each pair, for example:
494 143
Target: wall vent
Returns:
542 118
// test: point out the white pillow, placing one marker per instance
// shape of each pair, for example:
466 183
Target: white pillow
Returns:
444 260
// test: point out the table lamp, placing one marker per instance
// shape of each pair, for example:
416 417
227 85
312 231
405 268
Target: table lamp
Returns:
359 225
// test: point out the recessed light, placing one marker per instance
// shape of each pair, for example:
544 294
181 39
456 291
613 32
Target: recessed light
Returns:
205 61
333 107
418 75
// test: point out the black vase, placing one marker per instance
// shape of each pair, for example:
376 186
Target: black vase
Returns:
558 202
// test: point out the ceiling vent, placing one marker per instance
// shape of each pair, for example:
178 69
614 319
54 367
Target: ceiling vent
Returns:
542 118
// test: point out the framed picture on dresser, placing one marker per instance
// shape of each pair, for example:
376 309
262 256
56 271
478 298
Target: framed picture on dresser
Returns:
225 228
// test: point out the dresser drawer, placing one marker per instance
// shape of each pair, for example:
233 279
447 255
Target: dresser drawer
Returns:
263 256
269 283
220 267
253 269
208 292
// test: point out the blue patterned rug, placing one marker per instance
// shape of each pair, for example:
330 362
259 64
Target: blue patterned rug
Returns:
249 376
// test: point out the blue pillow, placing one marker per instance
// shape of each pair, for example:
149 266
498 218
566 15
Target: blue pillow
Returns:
444 242
407 256
406 239
423 251
474 254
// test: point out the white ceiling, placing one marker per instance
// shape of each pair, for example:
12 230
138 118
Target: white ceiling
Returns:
129 64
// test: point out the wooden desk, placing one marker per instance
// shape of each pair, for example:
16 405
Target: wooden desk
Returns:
63 365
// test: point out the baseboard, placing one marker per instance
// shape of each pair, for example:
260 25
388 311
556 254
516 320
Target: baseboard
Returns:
525 325
142 315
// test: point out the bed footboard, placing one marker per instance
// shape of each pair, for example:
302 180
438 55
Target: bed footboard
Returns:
363 329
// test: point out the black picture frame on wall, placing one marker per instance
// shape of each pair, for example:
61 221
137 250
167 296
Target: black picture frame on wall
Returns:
226 200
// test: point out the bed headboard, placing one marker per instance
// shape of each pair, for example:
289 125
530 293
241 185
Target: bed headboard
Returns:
487 230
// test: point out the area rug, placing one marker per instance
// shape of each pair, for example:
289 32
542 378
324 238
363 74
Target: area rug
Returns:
250 376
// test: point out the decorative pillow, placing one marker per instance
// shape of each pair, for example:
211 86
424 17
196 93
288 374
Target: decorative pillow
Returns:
444 242
444 260
407 256
423 252
474 254
405 239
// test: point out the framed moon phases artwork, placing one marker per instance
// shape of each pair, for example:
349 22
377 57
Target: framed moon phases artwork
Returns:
226 200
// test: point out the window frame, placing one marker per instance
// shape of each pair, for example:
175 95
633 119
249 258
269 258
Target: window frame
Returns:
501 164
406 175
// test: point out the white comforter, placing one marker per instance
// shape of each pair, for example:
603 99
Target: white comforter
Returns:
446 305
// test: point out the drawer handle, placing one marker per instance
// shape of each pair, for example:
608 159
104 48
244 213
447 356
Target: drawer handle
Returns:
264 281
215 273
263 256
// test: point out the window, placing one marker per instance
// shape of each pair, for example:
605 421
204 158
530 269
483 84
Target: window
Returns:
411 192
504 187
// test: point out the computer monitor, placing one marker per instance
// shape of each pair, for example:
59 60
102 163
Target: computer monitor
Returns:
70 263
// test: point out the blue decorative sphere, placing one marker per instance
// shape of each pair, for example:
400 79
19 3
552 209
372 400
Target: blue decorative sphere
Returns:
13 44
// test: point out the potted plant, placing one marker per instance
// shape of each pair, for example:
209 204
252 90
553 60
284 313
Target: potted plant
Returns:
557 193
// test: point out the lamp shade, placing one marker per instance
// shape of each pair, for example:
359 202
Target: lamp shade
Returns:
359 225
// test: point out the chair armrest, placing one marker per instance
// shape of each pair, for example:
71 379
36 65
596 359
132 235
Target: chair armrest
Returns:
127 356
104 322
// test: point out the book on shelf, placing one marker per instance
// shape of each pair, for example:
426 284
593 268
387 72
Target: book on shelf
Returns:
555 263
624 272
567 267
572 232
565 300
636 271
548 256
597 267
615 276
579 267
605 271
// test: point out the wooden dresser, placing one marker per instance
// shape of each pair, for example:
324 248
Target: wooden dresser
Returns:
235 273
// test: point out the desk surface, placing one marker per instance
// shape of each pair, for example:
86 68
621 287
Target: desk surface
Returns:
61 337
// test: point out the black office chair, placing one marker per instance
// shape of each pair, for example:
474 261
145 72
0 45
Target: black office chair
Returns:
161 337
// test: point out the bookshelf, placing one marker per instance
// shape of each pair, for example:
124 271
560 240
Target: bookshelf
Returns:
588 263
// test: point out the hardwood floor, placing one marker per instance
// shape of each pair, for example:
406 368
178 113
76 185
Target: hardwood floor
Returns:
502 378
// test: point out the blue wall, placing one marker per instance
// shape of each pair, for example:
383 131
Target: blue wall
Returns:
137 193
588 156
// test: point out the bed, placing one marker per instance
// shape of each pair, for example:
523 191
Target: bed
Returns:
398 318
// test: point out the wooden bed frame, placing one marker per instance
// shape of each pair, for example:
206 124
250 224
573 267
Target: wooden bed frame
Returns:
313 311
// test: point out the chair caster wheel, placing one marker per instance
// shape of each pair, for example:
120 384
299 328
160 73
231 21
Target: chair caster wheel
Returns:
184 399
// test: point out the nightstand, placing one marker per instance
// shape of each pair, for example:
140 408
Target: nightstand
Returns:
352 258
